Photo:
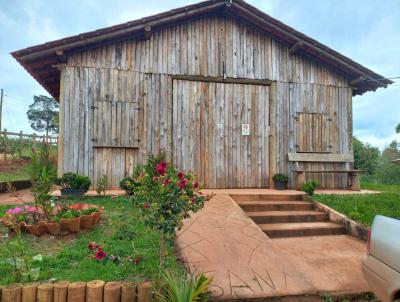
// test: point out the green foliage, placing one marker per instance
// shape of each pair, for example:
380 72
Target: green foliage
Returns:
387 172
43 114
310 186
128 184
102 185
68 259
165 197
398 128
366 157
280 177
184 287
74 181
21 263
42 174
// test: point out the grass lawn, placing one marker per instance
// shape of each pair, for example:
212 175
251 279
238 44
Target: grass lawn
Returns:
364 207
121 233
14 172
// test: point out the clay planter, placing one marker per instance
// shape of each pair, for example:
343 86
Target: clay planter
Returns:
87 221
33 229
70 225
96 217
53 228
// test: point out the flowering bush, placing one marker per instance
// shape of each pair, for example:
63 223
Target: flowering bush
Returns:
165 197
25 214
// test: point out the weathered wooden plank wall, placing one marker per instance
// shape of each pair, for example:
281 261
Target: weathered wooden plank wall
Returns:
141 71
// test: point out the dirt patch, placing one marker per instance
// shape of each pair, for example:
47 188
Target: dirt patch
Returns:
13 165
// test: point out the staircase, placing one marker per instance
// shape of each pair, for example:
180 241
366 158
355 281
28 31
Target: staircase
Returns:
281 215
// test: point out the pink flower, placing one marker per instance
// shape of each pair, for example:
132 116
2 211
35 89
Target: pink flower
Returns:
9 212
100 255
160 169
182 184
155 178
180 175
166 182
195 185
91 246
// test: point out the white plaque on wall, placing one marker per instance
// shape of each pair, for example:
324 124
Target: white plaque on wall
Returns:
245 129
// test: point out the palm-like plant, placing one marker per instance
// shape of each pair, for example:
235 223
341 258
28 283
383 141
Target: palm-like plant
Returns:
184 287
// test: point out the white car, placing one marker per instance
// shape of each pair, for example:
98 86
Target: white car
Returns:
381 267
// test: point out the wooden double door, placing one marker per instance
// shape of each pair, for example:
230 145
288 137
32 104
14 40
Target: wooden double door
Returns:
220 132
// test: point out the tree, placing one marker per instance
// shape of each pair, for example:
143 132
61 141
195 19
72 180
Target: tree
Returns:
43 114
366 157
398 128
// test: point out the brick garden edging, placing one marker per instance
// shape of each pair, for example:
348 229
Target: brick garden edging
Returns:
352 228
64 291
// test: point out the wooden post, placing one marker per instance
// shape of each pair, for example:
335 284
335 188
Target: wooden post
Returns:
60 291
45 292
144 292
29 292
300 178
12 293
5 144
112 292
76 292
355 181
20 143
128 292
94 291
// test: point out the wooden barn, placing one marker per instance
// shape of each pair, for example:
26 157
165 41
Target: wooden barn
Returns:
225 90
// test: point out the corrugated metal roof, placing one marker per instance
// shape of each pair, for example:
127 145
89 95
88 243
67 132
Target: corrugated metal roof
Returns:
40 60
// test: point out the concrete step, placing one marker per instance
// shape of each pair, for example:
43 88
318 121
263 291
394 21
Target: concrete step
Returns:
287 216
279 230
267 197
276 205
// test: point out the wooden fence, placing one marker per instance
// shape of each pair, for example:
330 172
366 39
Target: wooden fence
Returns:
14 142
63 291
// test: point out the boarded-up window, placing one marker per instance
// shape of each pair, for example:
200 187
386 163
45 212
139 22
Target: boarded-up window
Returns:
116 124
313 132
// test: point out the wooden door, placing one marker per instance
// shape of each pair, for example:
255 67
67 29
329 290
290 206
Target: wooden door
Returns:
220 132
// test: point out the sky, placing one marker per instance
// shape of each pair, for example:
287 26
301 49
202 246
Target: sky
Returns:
367 31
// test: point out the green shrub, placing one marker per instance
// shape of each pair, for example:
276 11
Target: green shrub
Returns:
280 177
310 186
74 181
165 197
184 287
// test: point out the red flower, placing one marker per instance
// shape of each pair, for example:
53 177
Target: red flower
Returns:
182 184
100 255
146 205
180 175
196 185
92 246
162 168
137 260
166 182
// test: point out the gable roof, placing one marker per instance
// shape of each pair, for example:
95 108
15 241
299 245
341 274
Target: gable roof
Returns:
41 60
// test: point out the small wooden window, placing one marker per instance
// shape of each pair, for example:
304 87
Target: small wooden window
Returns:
313 133
115 124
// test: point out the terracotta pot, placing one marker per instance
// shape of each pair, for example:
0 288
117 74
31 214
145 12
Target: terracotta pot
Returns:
42 227
53 228
96 217
70 225
22 226
33 229
87 221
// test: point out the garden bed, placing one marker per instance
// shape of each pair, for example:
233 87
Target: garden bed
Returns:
121 232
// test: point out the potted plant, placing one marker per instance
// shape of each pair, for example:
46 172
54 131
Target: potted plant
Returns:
280 181
88 218
73 184
69 221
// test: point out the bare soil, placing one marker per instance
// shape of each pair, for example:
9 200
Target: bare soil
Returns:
12 165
